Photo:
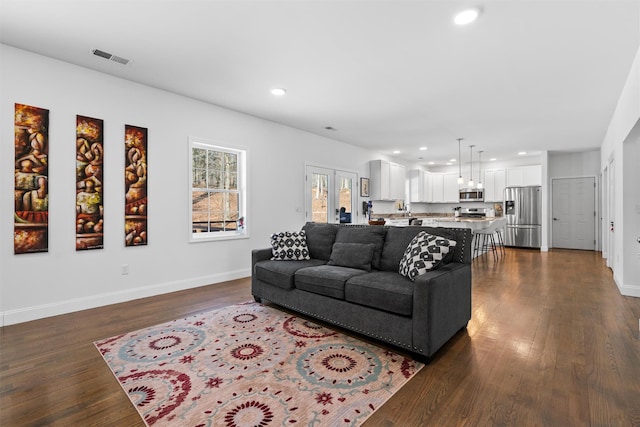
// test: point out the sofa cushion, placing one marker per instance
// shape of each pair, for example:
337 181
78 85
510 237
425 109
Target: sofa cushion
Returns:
325 279
384 290
425 252
280 273
353 255
289 246
320 239
369 234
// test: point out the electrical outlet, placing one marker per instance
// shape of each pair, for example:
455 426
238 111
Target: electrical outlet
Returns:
125 269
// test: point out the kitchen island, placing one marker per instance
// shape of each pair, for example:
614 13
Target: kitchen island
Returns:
475 224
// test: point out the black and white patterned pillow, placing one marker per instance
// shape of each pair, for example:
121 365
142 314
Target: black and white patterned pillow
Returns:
289 246
424 253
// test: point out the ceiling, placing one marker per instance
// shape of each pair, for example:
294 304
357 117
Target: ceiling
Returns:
386 75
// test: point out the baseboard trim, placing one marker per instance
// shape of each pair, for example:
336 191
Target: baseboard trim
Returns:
629 290
27 314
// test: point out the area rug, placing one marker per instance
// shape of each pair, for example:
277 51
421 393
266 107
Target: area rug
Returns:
252 365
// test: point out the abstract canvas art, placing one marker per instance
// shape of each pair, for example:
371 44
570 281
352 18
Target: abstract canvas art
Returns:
135 183
89 183
31 190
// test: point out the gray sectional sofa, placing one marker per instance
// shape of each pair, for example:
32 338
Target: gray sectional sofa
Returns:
338 286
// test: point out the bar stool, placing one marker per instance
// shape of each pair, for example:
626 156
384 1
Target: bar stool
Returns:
500 226
485 240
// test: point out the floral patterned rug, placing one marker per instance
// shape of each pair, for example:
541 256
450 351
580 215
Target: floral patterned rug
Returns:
252 365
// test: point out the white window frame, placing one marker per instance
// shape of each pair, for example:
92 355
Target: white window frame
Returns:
242 153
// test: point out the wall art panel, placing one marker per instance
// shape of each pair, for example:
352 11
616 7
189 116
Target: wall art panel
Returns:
89 183
135 186
31 191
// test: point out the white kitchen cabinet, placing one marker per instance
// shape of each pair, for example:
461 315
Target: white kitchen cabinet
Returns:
387 180
418 184
427 185
524 175
437 187
398 181
494 183
533 175
451 189
515 177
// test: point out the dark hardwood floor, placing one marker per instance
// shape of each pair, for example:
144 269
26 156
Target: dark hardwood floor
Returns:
551 343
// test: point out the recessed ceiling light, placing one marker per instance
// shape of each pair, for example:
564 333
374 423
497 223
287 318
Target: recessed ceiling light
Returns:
448 163
452 160
396 152
522 153
423 148
432 163
466 16
493 159
278 91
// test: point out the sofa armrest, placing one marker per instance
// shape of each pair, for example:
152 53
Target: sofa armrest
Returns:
441 305
258 255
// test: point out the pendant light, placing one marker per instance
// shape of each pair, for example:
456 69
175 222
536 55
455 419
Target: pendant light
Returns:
460 179
480 169
471 183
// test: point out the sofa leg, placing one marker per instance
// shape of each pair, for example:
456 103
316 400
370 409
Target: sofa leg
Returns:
257 299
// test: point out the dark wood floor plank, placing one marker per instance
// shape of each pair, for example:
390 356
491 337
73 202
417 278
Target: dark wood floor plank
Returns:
551 343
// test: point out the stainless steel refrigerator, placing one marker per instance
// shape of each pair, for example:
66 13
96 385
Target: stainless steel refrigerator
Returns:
523 210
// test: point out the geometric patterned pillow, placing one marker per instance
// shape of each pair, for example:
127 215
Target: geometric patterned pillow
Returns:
424 253
289 246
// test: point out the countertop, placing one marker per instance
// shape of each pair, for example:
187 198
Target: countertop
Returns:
461 219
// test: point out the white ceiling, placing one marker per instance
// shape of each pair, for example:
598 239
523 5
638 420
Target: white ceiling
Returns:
387 75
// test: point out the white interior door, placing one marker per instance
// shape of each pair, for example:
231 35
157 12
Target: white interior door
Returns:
574 213
330 195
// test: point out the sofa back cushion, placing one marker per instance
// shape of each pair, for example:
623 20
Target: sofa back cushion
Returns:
320 239
352 255
366 235
398 238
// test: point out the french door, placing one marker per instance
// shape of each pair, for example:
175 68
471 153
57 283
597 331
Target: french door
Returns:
330 195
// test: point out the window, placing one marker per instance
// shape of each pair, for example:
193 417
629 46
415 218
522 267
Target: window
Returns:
218 194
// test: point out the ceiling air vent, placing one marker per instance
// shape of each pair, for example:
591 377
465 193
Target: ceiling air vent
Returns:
110 57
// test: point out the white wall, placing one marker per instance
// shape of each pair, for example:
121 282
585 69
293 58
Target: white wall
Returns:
574 165
623 130
63 280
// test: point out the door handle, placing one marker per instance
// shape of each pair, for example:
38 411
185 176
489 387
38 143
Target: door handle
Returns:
555 219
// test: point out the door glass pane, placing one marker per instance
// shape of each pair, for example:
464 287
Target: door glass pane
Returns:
345 186
319 198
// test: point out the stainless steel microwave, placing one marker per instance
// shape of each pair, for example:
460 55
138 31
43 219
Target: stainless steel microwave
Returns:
476 195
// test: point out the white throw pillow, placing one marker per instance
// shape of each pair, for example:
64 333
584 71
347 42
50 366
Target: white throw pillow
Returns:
289 246
424 253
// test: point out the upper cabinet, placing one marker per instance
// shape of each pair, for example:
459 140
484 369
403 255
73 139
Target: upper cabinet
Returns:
524 175
417 185
387 180
433 187
495 180
451 190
